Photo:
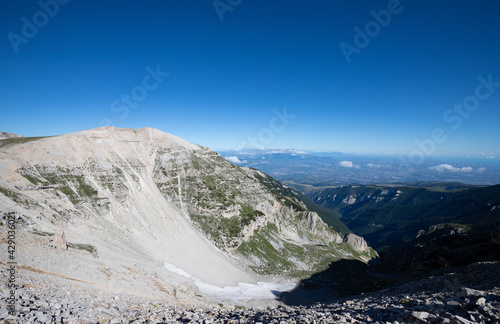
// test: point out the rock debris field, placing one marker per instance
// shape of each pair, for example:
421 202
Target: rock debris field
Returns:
469 295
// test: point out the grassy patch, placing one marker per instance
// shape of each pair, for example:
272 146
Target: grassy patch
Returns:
32 179
41 233
19 140
222 230
81 192
248 214
9 193
85 189
83 247
71 195
373 254
280 257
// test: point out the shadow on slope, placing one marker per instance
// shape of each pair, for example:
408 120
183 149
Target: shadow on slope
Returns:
440 249
442 256
342 279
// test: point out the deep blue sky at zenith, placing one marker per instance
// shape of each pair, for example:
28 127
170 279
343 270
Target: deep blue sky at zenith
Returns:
226 77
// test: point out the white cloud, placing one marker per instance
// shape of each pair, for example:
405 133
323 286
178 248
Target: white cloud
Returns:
345 164
481 170
233 159
371 165
449 167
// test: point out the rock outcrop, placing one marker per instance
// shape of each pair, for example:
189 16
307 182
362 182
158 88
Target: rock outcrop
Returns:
4 135
356 242
317 227
58 241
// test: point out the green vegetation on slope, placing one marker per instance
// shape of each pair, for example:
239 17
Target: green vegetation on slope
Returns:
18 140
329 216
385 215
274 256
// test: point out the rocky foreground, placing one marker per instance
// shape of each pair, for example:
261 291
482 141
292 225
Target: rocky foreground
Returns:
469 295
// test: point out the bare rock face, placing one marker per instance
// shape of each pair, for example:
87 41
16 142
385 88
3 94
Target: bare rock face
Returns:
59 241
316 225
356 242
4 135
136 184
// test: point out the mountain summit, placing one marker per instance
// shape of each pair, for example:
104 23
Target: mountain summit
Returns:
158 206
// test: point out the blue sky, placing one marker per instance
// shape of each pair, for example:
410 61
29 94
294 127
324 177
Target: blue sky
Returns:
220 83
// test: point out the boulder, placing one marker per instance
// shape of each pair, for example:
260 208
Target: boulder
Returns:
59 241
420 315
468 292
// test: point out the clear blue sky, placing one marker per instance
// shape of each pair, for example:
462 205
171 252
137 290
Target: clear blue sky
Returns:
225 77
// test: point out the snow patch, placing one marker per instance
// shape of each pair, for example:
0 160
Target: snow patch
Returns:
262 290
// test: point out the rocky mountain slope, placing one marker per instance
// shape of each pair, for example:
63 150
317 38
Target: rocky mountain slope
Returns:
386 214
469 296
163 209
4 135
422 226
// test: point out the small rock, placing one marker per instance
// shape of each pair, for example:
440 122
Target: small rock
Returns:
467 292
453 303
463 320
41 317
420 315
59 241
4 312
56 305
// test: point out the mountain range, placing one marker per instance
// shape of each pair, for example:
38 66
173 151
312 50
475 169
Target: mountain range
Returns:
143 208
296 167
424 225
143 212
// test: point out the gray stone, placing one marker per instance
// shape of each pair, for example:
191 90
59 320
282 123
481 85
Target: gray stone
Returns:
460 319
356 242
453 303
4 312
41 317
420 315
59 241
56 305
467 292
